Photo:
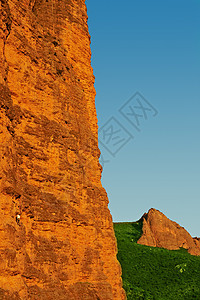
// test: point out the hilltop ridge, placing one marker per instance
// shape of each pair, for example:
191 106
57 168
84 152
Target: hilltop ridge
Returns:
153 272
159 231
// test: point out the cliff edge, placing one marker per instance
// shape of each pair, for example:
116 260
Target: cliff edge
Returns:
56 232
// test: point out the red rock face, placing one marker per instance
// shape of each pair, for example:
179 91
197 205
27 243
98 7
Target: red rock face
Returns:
63 246
159 231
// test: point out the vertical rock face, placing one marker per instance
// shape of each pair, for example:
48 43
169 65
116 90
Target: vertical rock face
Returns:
64 245
159 231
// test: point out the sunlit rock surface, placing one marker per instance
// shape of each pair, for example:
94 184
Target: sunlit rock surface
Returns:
64 245
159 231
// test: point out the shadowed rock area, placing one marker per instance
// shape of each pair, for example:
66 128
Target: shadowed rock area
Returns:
159 231
63 245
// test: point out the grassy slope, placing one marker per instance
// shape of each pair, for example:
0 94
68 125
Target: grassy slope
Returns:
155 273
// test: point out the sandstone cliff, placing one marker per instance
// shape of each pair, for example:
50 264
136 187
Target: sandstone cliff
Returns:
159 231
64 245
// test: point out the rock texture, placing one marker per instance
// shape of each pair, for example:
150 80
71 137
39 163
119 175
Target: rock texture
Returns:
159 231
64 245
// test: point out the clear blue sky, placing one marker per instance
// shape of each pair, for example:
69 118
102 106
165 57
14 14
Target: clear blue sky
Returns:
150 47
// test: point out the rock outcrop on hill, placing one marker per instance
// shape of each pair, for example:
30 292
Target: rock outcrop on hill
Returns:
63 246
159 231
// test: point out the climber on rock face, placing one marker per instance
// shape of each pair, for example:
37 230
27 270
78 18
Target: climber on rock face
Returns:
18 218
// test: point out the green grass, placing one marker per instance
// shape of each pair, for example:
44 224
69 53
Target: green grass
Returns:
155 273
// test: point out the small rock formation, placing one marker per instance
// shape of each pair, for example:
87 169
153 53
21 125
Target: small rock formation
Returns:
56 233
159 231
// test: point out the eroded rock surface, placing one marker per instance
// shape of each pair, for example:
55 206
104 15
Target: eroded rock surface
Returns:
64 245
159 231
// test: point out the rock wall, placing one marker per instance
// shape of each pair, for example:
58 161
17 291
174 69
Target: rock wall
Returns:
159 231
64 245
